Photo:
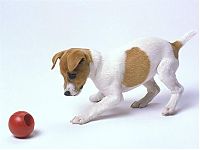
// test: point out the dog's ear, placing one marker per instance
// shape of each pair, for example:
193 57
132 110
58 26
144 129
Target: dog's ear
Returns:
74 59
55 58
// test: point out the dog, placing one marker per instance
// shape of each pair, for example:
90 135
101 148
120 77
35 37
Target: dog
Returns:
122 72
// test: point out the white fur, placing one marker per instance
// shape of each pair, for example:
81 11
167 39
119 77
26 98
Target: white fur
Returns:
107 71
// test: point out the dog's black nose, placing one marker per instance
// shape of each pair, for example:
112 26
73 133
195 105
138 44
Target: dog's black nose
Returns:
67 93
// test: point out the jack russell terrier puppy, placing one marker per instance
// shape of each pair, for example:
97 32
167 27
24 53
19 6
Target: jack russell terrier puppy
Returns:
114 75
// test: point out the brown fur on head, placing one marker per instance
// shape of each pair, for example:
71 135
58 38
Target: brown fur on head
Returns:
75 61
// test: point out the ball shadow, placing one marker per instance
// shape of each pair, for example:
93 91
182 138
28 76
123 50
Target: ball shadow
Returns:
34 134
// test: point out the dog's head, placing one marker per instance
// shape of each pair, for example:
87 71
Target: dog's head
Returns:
74 67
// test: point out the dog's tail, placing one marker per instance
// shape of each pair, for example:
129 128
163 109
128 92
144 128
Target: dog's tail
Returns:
181 41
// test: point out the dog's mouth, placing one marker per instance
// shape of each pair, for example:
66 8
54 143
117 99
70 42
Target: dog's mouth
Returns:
77 93
81 87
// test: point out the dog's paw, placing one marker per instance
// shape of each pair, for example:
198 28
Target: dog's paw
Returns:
95 98
138 104
168 111
79 120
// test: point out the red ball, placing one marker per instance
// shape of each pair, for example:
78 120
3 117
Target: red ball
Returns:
21 124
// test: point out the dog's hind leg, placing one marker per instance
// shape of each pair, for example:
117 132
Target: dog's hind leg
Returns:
166 71
152 90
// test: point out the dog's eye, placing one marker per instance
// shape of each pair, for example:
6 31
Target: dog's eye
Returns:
72 76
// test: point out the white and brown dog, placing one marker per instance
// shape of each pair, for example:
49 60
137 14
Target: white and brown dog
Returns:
120 73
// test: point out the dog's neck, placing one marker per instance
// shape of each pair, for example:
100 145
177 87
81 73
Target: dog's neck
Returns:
94 65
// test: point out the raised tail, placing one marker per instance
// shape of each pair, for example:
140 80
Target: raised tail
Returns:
181 41
186 37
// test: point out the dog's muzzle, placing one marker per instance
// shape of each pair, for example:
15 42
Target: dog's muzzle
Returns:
72 92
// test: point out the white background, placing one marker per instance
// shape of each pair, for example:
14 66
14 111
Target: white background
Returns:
32 31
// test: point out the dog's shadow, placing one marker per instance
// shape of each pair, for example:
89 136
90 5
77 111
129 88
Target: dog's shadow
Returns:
125 110
188 100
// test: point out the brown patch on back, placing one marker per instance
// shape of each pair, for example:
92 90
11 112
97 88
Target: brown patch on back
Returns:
176 47
75 60
137 67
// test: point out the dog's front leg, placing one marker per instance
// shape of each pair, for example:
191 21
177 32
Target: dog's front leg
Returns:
106 103
96 97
